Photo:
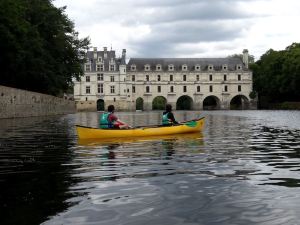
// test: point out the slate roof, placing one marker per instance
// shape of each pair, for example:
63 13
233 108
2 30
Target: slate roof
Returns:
190 62
110 54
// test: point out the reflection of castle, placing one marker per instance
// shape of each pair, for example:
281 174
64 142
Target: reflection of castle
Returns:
144 83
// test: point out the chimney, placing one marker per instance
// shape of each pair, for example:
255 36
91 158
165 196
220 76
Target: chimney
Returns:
246 58
95 53
105 52
124 56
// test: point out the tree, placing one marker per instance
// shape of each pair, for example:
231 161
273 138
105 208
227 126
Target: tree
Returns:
240 56
276 75
40 50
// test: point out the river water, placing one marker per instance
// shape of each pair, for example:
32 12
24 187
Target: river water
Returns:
242 169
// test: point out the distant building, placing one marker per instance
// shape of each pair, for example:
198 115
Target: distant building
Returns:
104 81
148 83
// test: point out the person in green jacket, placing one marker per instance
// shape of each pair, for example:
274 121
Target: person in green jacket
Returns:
109 120
168 117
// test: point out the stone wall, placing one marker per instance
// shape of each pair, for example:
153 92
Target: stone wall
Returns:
20 103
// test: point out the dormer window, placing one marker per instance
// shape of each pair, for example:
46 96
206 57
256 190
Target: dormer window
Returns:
224 67
112 67
184 67
171 67
98 67
99 59
147 67
158 67
88 67
210 67
239 67
132 67
197 67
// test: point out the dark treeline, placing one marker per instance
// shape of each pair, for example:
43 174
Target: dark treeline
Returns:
39 48
276 75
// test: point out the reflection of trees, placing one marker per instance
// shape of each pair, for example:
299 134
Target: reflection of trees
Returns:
36 183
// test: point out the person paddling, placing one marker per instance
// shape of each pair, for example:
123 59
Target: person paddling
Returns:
168 117
109 120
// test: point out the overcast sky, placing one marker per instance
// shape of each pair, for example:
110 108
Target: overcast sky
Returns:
186 28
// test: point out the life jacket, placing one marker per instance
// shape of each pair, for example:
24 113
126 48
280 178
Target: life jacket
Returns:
104 122
165 119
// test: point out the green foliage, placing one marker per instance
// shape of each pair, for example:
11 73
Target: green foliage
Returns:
240 56
276 76
40 51
139 104
252 95
159 103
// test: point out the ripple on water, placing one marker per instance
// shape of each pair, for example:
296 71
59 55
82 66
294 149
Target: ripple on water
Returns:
243 169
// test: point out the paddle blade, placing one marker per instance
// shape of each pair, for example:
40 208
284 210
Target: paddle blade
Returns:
191 124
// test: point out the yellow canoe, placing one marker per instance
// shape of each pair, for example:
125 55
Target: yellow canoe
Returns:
182 128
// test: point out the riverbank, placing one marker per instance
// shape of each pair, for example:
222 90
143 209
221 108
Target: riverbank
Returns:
16 103
282 106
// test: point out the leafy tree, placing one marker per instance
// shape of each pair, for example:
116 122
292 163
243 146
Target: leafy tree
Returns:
40 50
240 56
276 75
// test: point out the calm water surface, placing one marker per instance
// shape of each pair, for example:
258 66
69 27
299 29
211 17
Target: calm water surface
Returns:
242 169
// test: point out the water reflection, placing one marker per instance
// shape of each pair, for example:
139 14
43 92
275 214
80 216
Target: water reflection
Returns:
243 169
34 183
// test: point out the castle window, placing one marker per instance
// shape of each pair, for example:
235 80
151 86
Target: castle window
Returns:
158 67
239 76
158 77
101 67
171 67
224 67
158 89
112 89
87 67
197 67
210 88
100 88
225 88
198 88
133 89
147 89
147 67
112 79
210 77
225 77
133 78
172 89
239 88
197 77
112 67
184 77
147 77
87 79
87 89
171 77
184 88
133 68
210 67
100 76
184 67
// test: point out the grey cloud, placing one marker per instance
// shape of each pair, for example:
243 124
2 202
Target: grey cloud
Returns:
171 22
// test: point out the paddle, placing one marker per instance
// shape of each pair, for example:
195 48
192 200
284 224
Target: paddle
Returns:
190 123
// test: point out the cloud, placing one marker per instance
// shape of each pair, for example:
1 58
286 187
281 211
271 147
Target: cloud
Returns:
173 28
